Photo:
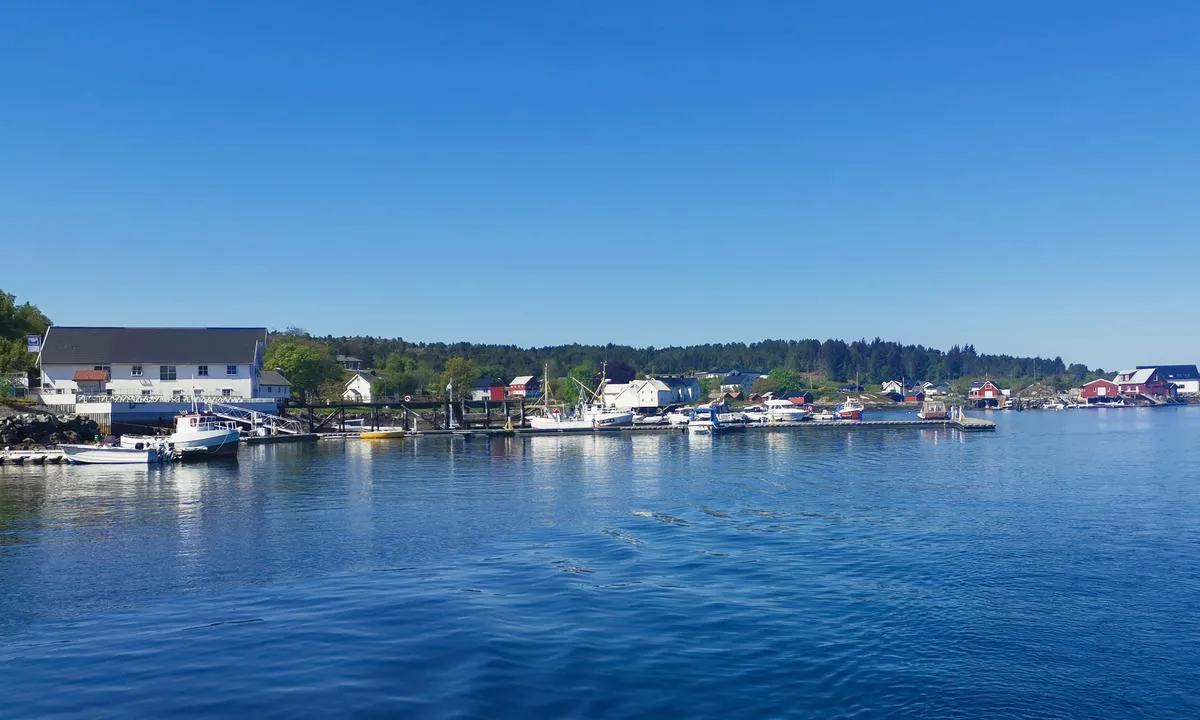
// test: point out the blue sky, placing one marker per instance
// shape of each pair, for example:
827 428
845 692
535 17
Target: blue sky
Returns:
646 173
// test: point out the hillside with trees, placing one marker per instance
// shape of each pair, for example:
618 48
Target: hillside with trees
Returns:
412 367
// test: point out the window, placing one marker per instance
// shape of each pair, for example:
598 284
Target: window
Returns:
197 392
166 372
105 368
135 371
227 392
202 370
146 393
176 393
231 369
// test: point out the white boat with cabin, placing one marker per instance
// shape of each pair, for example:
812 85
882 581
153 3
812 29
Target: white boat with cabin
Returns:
195 433
704 422
779 410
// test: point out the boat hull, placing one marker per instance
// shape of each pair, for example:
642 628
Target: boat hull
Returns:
216 443
222 442
98 455
381 434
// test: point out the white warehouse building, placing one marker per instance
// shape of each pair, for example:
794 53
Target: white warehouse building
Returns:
139 374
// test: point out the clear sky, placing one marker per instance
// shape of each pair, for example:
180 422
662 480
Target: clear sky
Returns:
1023 176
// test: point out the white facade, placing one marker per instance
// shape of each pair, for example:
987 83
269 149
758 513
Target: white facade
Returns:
358 388
639 394
151 381
892 387
1189 387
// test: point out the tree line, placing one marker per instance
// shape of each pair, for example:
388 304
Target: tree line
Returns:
405 367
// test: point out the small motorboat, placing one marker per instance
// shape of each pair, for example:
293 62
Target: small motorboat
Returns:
648 418
113 455
382 434
849 410
824 415
704 422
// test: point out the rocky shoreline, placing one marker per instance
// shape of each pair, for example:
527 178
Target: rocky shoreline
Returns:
33 430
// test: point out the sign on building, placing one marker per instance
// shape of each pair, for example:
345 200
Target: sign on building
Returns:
33 343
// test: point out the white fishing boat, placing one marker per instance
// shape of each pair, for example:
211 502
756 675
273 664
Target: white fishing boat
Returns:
778 410
704 422
824 415
195 434
113 455
587 415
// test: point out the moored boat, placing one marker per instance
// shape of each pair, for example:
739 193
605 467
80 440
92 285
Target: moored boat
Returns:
113 455
586 416
198 434
382 434
933 410
778 410
704 422
849 410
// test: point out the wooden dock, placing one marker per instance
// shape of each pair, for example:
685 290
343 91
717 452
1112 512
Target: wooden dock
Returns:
32 457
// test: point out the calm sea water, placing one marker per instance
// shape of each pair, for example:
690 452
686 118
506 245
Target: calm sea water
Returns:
1049 569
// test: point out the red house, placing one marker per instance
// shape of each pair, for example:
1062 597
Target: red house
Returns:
1101 391
914 396
1145 381
526 386
986 394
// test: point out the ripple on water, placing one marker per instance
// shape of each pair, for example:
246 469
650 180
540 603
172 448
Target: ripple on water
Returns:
767 574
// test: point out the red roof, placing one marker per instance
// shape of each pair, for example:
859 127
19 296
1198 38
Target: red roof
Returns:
90 376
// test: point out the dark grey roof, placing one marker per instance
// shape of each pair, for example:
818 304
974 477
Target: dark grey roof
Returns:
348 358
1174 372
676 382
271 377
108 345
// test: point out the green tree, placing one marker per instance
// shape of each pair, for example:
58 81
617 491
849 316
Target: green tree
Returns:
17 321
582 374
398 376
305 362
781 381
461 372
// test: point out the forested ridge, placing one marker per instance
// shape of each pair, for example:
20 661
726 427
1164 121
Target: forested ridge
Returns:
869 361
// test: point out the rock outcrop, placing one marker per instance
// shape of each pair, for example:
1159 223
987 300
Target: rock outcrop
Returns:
27 429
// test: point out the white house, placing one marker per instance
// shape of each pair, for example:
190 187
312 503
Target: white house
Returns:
648 393
272 384
358 387
138 364
737 381
1185 378
125 377
891 387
